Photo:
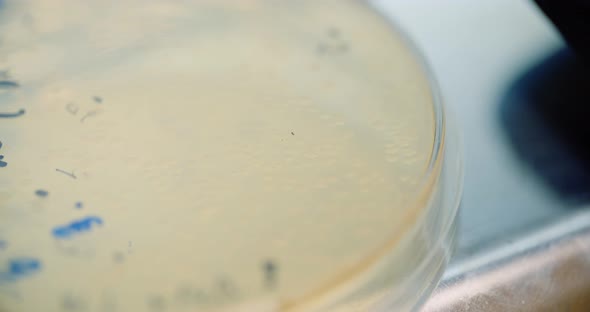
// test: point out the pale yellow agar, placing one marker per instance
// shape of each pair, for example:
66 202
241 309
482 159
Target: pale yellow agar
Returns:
240 153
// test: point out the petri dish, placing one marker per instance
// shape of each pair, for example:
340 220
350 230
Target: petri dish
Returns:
254 155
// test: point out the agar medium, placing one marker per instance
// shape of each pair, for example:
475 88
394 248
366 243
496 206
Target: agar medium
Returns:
218 156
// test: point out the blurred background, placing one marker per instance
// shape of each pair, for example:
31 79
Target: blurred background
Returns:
519 94
513 86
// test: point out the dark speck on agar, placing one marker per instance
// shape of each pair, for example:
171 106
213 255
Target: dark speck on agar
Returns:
321 48
118 257
97 99
79 205
2 163
269 268
343 47
12 115
41 193
157 303
333 32
7 84
73 303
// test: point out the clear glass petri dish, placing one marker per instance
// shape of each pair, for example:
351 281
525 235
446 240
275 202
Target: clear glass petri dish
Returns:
254 155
